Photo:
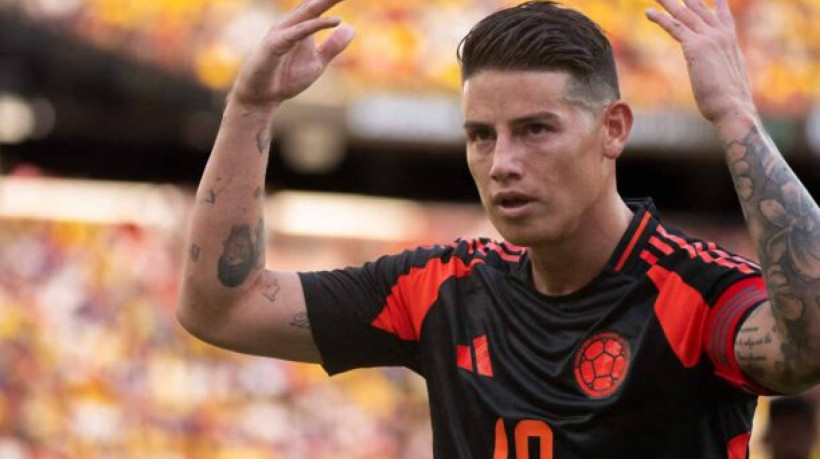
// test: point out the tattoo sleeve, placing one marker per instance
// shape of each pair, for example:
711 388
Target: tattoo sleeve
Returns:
784 222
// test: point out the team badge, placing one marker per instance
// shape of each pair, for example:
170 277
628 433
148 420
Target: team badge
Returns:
601 364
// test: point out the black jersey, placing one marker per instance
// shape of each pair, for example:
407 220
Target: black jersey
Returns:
637 364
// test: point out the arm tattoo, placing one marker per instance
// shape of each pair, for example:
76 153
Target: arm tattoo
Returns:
211 198
257 193
300 320
194 252
784 222
271 289
263 138
260 243
242 252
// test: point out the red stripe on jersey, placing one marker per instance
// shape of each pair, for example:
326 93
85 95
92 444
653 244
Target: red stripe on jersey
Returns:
722 261
682 313
503 250
632 242
698 250
414 293
464 358
482 356
660 245
723 322
677 240
734 258
648 257
738 446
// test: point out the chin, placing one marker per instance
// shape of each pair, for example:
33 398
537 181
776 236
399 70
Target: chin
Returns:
524 235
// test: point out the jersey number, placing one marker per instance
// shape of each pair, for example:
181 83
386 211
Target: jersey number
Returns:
524 430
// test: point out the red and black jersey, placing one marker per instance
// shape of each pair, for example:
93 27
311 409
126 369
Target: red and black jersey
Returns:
638 363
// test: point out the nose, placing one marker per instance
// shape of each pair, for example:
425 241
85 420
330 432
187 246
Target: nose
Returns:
507 164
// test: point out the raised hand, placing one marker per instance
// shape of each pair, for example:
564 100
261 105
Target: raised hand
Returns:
288 61
717 70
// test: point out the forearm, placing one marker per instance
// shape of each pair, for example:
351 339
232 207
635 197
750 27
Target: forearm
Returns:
226 242
784 223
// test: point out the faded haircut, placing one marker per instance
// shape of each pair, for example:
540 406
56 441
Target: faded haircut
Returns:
543 35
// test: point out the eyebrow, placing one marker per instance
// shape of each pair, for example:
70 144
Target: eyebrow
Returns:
537 116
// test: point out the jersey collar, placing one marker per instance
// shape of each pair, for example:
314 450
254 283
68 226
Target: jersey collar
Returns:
645 218
625 258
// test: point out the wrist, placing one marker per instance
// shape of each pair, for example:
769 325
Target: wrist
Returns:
737 122
257 111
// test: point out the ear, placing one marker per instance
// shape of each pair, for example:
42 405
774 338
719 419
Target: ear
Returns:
617 123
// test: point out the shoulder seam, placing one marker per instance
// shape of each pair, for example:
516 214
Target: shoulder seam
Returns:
707 252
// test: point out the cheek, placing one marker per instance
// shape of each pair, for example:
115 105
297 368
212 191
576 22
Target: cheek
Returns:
478 169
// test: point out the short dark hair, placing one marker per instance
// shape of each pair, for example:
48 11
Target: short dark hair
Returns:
542 35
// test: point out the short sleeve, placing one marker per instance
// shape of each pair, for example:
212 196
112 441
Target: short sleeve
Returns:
725 317
370 315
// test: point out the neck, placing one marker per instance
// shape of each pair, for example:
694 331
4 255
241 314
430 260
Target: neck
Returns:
566 265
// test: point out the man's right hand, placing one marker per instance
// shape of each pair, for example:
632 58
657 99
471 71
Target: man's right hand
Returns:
288 61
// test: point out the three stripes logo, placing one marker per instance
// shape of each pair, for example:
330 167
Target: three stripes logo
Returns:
475 357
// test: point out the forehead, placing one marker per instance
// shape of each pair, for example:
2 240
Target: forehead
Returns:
497 95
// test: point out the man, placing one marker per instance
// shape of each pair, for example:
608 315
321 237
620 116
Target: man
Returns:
609 334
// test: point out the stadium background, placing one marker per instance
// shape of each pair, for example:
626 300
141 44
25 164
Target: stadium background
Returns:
108 109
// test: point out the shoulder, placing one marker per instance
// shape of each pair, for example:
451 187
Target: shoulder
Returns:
704 265
459 256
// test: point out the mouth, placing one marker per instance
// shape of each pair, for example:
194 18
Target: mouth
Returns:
511 204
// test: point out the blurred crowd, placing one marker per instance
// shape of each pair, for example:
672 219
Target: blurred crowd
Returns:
94 365
409 45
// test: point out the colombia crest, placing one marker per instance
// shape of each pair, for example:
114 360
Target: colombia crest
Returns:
601 364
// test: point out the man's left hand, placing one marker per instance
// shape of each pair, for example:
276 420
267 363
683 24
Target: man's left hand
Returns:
717 70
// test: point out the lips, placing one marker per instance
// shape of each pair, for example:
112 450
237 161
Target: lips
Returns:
512 203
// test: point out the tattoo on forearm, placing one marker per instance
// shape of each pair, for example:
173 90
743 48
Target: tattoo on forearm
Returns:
211 194
300 320
211 198
784 222
242 252
263 138
271 288
257 192
194 252
260 243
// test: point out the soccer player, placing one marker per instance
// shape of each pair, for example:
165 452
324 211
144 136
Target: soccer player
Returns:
603 331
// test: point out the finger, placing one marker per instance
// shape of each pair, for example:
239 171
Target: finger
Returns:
336 43
671 25
703 11
682 14
724 13
286 39
308 9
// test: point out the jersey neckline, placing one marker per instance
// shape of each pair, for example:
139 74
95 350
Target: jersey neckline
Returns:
623 258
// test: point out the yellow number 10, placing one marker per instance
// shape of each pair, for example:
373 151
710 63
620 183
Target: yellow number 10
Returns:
523 431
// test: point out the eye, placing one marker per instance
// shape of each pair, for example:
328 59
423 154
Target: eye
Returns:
480 135
537 129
